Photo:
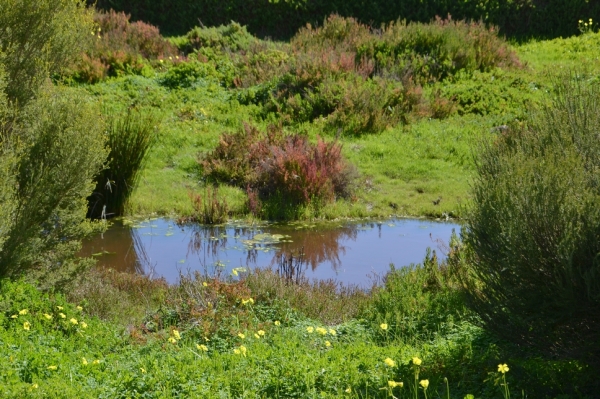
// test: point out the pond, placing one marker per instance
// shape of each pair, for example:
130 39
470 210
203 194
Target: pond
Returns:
351 252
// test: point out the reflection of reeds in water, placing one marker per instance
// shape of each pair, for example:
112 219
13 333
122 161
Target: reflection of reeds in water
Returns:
208 241
291 267
324 246
142 264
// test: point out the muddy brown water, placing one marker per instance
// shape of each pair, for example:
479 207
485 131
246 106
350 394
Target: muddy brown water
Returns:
352 252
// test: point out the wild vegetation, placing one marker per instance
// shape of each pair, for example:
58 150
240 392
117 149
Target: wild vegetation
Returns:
342 120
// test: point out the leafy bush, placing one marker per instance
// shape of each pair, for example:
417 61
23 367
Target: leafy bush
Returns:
130 137
186 74
285 168
38 39
534 228
232 37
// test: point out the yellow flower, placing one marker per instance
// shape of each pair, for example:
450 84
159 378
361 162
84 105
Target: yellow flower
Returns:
204 283
416 361
580 21
247 301
172 340
14 316
170 58
26 325
96 361
332 331
256 336
59 307
236 351
202 347
84 361
47 316
83 324
277 322
73 321
62 315
424 383
242 336
394 384
322 330
389 362
327 344
383 326
176 335
310 330
348 390
143 370
261 333
233 271
503 368
79 308
34 386
51 367
243 350
23 312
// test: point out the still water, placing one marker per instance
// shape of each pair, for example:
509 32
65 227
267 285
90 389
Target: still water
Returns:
349 252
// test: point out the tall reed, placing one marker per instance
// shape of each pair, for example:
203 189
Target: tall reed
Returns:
130 136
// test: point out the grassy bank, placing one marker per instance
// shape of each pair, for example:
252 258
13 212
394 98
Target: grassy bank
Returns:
419 165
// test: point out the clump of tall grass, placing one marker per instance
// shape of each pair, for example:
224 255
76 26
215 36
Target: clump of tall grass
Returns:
209 208
130 136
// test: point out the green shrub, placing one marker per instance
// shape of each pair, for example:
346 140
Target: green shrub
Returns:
534 228
130 137
231 37
60 142
39 38
185 74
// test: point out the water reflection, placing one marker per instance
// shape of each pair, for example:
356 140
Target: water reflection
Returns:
346 252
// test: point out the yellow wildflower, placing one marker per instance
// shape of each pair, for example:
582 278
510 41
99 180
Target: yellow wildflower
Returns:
248 301
84 361
256 336
176 335
47 316
34 386
143 370
383 326
202 347
424 383
14 316
59 307
332 331
348 390
172 340
83 324
73 321
416 361
204 283
62 315
23 312
96 361
277 322
310 330
327 344
242 336
26 325
394 384
321 330
51 367
503 368
236 351
389 362
79 308
243 350
261 333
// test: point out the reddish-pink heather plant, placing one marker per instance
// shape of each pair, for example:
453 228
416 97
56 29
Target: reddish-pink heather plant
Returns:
273 163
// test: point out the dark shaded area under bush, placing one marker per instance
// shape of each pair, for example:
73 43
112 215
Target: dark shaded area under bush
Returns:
282 18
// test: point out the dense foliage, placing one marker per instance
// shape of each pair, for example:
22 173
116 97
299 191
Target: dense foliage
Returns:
52 141
534 227
531 18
